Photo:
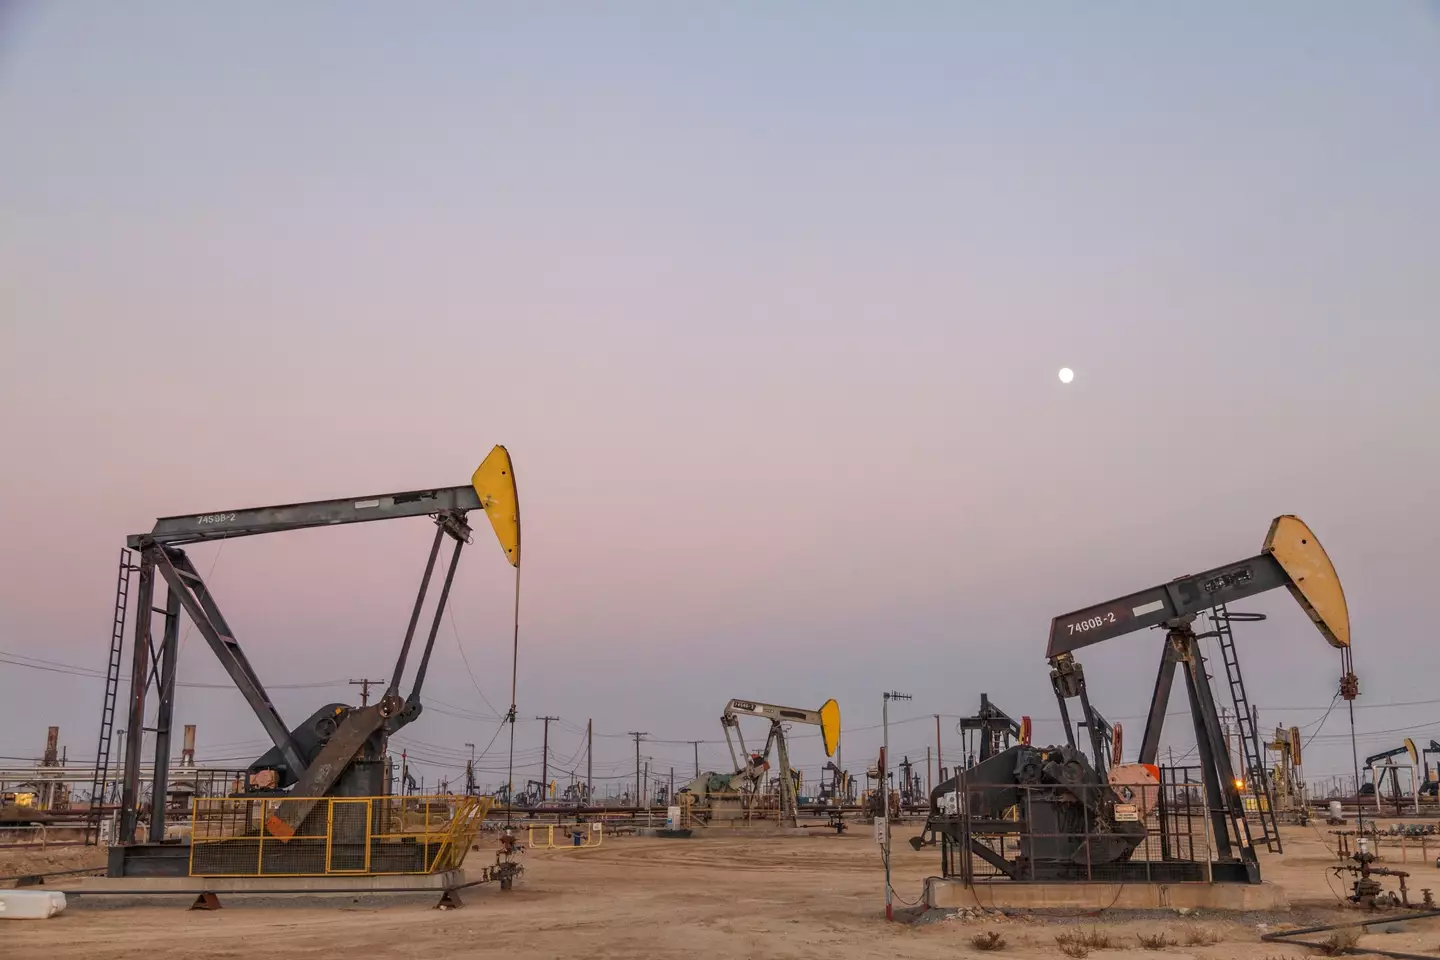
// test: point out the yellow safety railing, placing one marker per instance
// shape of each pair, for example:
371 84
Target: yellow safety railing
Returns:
337 836
592 835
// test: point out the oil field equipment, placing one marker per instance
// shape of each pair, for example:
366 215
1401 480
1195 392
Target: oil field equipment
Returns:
837 789
1291 557
1430 782
827 718
1054 814
1111 740
322 784
1039 814
1287 783
1384 769
993 728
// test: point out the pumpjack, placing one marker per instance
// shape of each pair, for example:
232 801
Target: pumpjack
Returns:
827 718
339 750
995 730
1430 785
1383 768
838 789
1291 557
1077 817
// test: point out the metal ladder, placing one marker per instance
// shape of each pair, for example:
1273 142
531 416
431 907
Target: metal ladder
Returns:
107 712
1255 772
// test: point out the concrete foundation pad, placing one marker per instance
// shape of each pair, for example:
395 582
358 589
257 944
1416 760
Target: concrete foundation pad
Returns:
388 883
1005 895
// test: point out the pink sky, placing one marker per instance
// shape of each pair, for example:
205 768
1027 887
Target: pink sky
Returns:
768 309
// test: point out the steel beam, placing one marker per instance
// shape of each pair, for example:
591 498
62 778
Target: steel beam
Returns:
139 681
1169 601
414 697
1218 771
165 713
228 524
389 699
183 579
1159 702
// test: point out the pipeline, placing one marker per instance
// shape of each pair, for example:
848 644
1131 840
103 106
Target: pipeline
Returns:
1287 936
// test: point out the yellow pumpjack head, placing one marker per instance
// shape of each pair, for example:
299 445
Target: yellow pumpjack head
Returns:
1313 581
830 726
494 483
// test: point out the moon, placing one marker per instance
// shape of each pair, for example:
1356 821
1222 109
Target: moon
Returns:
1066 374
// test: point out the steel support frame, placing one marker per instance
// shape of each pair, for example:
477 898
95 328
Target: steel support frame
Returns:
789 803
139 684
1223 803
151 667
185 581
164 715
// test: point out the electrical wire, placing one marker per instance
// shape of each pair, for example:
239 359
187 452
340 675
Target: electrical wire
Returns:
1333 700
514 674
54 666
450 609
885 860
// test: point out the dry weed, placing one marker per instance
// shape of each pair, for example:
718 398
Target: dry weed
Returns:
1200 937
1079 943
1339 942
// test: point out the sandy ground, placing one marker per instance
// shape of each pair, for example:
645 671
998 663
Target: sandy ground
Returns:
718 896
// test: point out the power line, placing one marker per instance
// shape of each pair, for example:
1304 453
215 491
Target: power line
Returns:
450 608
53 666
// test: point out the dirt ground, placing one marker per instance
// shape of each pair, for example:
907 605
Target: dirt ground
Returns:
722 895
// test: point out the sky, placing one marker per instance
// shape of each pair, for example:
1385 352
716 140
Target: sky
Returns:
767 301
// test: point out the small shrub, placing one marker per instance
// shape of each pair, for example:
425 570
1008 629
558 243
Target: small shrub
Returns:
1156 941
1200 937
1339 942
1096 940
1079 943
988 941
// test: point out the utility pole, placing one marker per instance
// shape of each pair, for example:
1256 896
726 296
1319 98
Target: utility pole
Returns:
545 757
939 751
928 787
364 684
470 771
884 832
696 745
589 758
638 735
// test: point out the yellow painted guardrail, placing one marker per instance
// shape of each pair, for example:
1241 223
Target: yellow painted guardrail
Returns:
592 834
341 836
